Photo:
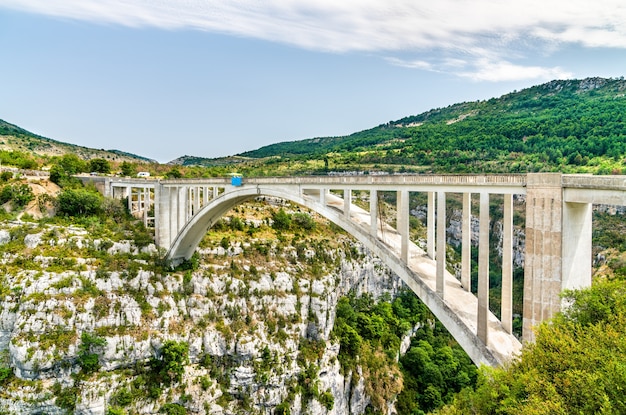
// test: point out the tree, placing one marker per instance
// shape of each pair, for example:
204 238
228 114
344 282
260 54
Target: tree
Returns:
79 202
128 169
174 173
61 172
170 365
19 195
575 366
100 166
72 164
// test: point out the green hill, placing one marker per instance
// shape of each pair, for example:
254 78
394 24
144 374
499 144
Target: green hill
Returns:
570 125
16 139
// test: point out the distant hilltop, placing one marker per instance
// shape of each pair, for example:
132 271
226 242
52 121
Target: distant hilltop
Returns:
14 138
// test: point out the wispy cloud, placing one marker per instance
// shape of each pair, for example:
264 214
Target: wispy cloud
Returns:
477 39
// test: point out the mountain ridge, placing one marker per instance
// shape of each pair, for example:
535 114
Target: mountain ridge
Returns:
15 138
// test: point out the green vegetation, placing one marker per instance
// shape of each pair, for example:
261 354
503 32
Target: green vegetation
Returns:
87 354
568 126
430 373
173 409
127 169
99 165
18 159
170 364
576 365
6 373
18 194
79 202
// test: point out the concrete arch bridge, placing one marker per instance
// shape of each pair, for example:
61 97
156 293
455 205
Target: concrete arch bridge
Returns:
558 235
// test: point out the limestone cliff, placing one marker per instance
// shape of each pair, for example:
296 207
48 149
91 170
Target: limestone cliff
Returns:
256 315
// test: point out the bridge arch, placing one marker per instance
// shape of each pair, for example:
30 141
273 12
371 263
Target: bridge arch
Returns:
501 345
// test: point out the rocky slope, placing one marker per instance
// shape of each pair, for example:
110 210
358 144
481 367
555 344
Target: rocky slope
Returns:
255 314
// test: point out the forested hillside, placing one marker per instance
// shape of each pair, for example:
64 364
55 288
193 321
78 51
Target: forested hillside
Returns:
568 126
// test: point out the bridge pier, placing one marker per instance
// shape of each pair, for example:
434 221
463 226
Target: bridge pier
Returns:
402 221
544 259
430 226
374 212
506 308
483 270
441 244
466 243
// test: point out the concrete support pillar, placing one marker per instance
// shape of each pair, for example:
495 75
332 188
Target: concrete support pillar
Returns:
483 270
577 233
543 259
323 196
216 192
145 203
196 200
374 212
430 226
108 188
189 204
129 195
182 208
506 311
441 243
347 201
173 219
466 243
161 216
146 199
402 221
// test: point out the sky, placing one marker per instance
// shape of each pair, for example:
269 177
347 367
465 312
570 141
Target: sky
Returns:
213 78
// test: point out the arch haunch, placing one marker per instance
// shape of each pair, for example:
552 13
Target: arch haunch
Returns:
499 349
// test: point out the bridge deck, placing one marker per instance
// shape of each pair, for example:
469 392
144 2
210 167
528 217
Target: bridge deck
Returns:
462 302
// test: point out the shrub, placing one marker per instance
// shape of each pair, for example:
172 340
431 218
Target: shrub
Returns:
282 220
171 364
5 176
79 202
5 375
282 409
173 409
65 397
19 195
327 400
87 357
123 397
304 221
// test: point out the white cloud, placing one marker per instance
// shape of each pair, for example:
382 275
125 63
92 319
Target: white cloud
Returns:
412 64
506 71
456 34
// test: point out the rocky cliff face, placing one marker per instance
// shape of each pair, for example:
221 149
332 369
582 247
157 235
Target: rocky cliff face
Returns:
256 317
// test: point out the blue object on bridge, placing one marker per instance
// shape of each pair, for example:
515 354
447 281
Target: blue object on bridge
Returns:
236 179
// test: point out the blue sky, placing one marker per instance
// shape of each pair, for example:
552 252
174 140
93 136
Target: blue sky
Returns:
211 78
